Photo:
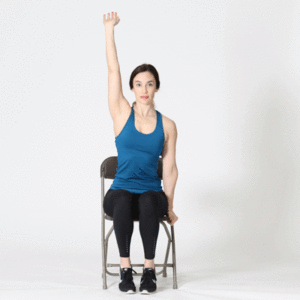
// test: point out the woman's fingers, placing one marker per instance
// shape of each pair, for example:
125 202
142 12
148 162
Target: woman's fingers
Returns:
173 219
111 18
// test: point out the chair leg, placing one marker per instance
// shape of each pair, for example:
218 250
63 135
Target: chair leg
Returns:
168 249
174 259
166 259
167 256
104 254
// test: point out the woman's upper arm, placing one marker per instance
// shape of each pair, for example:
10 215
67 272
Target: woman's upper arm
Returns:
115 92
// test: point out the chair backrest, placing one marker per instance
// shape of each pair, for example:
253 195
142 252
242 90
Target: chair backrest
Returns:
109 166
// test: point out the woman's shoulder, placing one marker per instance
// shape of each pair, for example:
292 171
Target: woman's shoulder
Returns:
168 124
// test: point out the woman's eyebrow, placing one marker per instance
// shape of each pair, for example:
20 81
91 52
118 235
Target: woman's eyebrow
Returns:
147 81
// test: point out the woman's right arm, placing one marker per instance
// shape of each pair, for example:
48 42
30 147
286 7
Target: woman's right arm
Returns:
115 93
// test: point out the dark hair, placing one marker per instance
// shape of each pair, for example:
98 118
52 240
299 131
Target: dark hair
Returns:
144 68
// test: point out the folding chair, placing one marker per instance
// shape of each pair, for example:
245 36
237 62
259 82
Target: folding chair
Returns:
108 171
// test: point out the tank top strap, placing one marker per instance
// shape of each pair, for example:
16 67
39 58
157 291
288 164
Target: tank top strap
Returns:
159 120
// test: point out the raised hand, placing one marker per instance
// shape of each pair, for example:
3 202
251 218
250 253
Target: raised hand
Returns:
111 20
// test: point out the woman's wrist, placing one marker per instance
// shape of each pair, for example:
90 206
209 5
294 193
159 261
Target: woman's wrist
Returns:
109 27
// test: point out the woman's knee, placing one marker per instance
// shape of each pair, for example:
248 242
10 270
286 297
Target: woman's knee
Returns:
152 202
148 202
116 200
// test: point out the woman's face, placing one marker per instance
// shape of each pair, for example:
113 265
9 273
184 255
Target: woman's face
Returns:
144 85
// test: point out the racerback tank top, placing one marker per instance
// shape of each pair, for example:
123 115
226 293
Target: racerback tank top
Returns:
138 156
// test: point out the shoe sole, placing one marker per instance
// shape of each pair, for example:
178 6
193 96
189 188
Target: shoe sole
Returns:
128 292
145 292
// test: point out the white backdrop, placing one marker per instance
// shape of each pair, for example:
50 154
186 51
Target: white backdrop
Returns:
229 73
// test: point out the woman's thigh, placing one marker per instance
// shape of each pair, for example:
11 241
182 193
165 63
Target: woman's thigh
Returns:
132 199
116 197
159 197
163 204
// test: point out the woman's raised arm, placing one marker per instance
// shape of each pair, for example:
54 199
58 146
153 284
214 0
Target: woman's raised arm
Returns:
111 52
115 93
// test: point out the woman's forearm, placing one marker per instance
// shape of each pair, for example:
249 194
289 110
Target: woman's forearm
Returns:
111 51
169 182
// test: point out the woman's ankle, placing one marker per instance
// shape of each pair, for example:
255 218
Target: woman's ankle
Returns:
125 262
149 264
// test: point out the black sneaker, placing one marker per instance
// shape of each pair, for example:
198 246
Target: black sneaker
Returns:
126 282
148 281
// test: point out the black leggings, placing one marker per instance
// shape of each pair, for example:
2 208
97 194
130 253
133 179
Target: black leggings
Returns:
125 206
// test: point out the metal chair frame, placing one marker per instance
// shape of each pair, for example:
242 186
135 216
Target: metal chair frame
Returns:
108 171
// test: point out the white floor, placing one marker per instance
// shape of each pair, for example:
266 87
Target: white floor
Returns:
52 281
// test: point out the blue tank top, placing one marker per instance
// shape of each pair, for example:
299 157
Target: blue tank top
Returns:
138 156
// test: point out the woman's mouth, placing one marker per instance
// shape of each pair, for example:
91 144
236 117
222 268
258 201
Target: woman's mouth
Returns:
144 97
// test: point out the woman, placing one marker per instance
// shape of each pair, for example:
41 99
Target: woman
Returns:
142 134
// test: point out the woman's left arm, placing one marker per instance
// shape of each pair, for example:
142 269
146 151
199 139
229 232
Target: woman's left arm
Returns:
169 187
169 181
170 171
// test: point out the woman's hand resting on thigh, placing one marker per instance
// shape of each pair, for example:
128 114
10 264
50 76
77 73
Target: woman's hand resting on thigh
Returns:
172 217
